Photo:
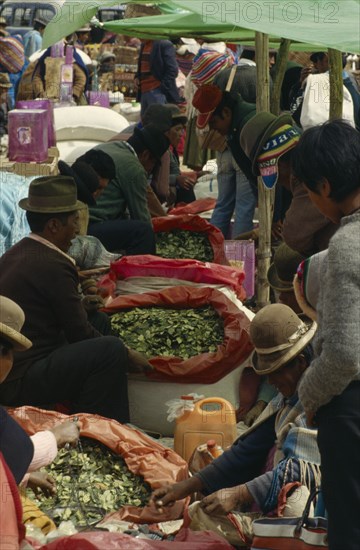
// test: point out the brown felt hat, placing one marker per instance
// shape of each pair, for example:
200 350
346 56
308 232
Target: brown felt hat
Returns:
278 335
52 194
257 131
281 272
12 319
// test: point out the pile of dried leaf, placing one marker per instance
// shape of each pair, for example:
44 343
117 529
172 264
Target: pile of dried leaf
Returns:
179 243
91 481
156 331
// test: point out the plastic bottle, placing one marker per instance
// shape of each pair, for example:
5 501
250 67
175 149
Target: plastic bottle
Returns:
214 449
197 426
66 76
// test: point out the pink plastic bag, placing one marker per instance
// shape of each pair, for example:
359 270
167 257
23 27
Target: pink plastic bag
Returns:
185 540
42 104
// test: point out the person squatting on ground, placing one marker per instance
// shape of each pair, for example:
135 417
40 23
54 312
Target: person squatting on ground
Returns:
279 437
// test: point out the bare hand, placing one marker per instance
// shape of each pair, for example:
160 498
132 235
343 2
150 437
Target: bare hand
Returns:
305 73
168 494
137 362
226 500
93 302
276 230
67 432
41 482
185 182
254 412
310 419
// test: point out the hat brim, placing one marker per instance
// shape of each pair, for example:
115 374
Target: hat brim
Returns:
15 338
24 204
277 123
180 119
266 364
203 119
301 300
276 283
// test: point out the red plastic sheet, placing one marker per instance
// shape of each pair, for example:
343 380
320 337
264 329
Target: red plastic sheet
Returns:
189 222
195 207
185 540
143 456
205 368
189 270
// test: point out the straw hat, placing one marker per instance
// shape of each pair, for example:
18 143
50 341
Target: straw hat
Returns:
12 319
51 194
278 335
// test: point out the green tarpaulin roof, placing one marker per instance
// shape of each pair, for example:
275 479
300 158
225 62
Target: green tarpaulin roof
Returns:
191 25
333 24
318 23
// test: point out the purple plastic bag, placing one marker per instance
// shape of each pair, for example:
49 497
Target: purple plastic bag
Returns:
42 104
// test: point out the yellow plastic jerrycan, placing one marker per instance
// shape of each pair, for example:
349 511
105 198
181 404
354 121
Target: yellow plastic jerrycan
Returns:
212 418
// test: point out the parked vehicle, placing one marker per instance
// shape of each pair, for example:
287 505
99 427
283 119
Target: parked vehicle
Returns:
20 14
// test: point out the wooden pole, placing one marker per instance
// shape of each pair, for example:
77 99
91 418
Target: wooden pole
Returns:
336 84
266 196
280 68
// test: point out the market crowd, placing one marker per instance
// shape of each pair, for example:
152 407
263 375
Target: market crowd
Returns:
56 343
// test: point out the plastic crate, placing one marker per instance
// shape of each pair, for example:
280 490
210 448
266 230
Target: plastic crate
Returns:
241 254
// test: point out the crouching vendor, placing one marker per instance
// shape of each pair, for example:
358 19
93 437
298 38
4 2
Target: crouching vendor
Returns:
278 439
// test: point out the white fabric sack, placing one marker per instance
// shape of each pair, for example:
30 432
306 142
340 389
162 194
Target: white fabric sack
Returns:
87 122
316 104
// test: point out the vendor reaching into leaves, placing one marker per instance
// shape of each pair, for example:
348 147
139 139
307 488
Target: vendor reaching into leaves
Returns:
232 482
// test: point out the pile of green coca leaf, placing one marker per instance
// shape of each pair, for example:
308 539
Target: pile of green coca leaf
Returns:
91 481
158 331
183 244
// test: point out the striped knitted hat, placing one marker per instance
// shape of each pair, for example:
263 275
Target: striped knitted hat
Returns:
12 56
282 140
207 65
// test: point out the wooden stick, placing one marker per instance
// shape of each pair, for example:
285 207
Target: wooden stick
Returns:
336 84
280 68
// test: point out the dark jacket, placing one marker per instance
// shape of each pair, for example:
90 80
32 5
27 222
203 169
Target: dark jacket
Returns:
233 138
45 285
243 461
164 67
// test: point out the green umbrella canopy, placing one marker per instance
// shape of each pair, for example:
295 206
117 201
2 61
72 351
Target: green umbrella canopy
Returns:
333 24
74 14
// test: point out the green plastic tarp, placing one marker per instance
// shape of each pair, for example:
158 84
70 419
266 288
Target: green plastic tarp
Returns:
331 24
191 25
74 14
321 23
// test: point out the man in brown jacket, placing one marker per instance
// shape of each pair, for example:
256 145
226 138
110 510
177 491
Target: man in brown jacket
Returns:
69 360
